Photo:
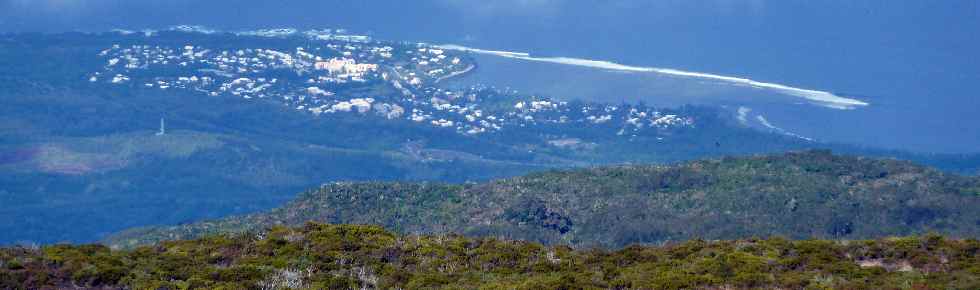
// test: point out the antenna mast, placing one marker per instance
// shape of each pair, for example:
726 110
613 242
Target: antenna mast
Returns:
163 128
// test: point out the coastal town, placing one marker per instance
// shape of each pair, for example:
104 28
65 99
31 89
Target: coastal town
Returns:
337 73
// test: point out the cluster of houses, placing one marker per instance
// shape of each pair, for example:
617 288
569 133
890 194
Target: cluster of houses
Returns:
323 79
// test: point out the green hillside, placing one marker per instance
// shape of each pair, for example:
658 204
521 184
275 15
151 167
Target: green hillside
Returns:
812 194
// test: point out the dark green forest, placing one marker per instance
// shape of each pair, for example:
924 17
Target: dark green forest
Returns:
798 195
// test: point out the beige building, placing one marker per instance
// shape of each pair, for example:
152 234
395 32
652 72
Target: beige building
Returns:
345 65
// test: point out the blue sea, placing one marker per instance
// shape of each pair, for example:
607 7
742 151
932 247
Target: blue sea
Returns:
915 62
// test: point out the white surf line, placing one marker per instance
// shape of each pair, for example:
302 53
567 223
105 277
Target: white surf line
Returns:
762 120
822 98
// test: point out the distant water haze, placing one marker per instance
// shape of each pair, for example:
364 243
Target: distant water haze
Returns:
914 62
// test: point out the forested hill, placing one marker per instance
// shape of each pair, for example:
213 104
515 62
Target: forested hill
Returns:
811 194
319 256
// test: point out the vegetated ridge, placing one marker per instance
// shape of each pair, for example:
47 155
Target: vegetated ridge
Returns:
799 195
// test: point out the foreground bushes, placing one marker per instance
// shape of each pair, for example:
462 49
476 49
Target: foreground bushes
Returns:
320 256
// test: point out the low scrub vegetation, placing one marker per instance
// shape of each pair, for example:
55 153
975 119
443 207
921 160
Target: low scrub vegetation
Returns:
323 256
